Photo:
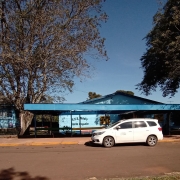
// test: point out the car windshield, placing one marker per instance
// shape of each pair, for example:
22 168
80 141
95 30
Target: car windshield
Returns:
112 125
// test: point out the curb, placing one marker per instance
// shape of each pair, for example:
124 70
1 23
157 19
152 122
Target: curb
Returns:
65 142
37 144
7 145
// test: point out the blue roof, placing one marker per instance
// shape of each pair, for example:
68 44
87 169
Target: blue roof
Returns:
119 93
100 107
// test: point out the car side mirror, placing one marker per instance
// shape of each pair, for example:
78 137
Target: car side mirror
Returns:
118 127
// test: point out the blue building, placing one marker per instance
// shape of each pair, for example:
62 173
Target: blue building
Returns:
96 119
7 117
92 114
105 110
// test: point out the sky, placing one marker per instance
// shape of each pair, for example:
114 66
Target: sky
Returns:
128 23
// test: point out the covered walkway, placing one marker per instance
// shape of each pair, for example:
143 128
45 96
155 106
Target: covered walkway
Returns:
57 109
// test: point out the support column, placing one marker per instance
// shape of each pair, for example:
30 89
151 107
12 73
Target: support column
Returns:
80 123
168 123
35 133
51 125
71 122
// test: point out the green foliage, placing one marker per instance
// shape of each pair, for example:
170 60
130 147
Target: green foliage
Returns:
170 176
126 92
92 95
51 99
47 118
105 120
66 128
161 61
4 100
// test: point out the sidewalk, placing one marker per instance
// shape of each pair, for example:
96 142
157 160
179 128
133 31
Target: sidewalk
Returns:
14 141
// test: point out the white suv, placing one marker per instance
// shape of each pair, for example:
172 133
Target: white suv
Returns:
128 131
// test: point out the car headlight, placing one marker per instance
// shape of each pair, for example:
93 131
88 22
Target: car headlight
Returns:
98 133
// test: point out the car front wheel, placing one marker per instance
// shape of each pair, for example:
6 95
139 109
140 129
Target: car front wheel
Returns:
151 140
108 141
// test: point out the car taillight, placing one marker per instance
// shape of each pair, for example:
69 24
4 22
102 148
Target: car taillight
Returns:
160 129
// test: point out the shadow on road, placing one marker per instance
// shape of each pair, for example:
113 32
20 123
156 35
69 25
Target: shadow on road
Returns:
91 144
11 174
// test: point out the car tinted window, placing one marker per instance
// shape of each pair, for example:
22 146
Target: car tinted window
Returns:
139 124
126 125
151 123
111 125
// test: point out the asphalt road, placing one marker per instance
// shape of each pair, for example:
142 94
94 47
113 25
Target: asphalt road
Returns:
80 162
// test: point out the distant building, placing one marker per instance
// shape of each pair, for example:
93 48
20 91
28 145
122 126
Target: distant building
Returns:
8 117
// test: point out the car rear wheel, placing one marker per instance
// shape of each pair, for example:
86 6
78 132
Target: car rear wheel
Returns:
108 141
152 140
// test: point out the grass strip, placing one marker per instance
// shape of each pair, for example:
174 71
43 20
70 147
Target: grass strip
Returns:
168 176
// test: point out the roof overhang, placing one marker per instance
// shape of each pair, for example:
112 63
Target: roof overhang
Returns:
101 108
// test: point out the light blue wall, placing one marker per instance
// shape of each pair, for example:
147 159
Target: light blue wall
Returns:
7 118
84 120
80 120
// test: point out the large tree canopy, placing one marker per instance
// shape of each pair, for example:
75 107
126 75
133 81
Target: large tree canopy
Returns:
44 45
161 61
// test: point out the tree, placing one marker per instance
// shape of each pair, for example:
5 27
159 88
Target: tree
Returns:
93 95
48 117
3 100
161 61
126 92
44 44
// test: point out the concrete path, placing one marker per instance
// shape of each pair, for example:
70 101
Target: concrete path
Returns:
14 141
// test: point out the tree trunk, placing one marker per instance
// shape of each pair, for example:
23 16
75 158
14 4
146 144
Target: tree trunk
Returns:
25 119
